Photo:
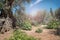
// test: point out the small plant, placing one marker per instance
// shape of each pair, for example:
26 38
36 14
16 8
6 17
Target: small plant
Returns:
19 35
35 23
38 30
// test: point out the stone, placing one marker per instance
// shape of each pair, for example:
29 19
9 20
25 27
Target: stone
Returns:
7 25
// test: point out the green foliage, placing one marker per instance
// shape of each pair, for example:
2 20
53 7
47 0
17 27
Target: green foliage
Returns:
1 5
26 26
38 30
19 35
53 24
23 21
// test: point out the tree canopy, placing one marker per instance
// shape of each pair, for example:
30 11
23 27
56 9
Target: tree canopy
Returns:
15 3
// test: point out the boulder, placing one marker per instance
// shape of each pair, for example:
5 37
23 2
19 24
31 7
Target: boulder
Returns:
6 25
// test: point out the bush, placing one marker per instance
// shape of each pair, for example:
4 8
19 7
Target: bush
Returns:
53 24
19 35
26 26
35 23
38 30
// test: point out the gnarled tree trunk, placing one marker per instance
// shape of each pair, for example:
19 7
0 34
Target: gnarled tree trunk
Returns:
7 14
7 9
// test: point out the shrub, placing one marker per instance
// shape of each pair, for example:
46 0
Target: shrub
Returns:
38 30
53 24
26 26
35 23
19 35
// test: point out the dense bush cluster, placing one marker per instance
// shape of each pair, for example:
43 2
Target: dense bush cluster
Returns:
53 24
19 35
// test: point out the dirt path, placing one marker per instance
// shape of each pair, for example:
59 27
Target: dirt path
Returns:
45 35
6 35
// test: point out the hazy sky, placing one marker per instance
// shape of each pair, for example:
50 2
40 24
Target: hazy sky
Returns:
42 4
